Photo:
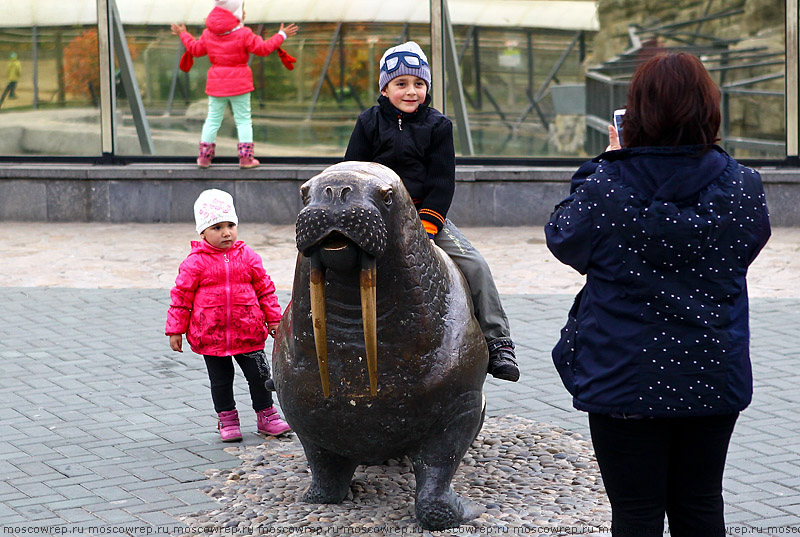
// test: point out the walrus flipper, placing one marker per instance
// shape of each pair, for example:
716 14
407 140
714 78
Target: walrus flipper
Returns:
441 509
330 475
438 507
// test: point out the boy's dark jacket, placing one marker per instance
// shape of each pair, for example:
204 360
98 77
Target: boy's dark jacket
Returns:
418 147
665 237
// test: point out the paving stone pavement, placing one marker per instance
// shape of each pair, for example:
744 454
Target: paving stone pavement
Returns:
102 426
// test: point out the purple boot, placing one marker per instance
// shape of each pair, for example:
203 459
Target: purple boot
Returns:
229 426
205 155
246 159
270 423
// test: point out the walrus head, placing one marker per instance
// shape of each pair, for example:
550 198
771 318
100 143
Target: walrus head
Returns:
343 227
341 210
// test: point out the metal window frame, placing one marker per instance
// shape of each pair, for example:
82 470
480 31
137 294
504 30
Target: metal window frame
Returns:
108 104
792 91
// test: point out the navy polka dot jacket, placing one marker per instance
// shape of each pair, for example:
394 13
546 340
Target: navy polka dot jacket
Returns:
664 237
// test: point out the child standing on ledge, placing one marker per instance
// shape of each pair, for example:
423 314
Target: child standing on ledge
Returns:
221 300
229 43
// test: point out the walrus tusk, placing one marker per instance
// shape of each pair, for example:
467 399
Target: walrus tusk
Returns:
369 316
317 289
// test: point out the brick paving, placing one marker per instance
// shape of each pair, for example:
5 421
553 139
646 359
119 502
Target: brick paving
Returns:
102 426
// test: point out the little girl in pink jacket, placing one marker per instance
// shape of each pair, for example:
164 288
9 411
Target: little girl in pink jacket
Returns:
222 301
229 43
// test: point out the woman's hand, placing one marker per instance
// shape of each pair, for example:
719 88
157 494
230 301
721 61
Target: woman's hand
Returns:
289 30
613 139
177 29
176 342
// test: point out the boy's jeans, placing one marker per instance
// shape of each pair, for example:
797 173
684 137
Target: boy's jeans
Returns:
240 104
485 298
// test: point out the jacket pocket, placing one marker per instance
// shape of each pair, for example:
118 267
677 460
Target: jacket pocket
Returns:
245 295
564 352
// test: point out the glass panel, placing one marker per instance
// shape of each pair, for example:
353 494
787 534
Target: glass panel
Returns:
53 109
307 111
540 78
547 87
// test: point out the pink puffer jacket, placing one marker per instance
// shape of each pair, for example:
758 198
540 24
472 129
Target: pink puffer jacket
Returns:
222 299
228 49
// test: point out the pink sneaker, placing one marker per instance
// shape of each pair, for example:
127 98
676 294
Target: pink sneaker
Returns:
270 423
229 426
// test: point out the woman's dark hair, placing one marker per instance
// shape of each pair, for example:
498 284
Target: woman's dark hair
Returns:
672 101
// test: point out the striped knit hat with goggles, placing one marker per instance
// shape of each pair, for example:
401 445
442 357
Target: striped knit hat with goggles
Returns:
405 59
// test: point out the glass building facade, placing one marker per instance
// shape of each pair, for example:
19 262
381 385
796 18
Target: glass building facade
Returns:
521 79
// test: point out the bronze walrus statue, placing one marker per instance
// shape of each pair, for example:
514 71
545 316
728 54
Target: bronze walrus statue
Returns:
378 355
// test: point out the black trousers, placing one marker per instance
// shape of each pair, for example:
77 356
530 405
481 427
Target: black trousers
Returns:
9 91
663 465
255 367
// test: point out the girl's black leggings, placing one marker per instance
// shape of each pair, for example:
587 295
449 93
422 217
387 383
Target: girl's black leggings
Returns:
255 367
654 466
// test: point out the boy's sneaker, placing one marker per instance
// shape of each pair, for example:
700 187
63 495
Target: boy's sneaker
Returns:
502 360
228 426
270 423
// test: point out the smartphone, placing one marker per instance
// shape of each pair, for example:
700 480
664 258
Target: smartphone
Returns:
618 123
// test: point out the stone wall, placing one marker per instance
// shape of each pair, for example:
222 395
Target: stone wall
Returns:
149 193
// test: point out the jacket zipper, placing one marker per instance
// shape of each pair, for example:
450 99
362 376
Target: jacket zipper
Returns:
228 311
400 122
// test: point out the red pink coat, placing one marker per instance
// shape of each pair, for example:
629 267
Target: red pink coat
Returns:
228 45
221 300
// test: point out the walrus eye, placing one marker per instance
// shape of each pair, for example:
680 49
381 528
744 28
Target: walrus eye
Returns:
304 193
387 195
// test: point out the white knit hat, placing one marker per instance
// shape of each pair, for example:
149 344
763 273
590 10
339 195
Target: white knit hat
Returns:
234 6
212 207
398 64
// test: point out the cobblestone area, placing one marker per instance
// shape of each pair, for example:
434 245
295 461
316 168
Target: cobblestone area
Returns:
522 474
102 426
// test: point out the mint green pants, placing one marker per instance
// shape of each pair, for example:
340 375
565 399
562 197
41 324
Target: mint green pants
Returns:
240 105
